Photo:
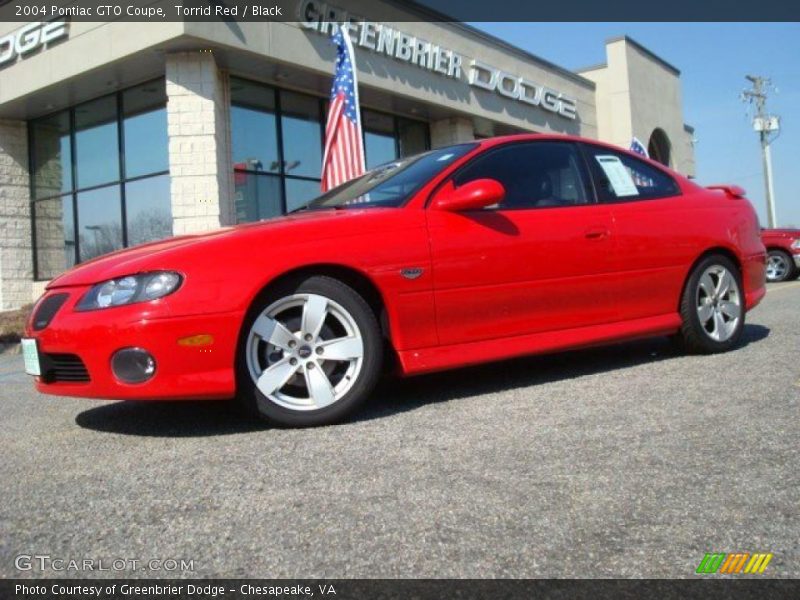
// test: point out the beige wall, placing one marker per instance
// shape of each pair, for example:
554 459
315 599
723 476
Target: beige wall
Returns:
402 82
638 92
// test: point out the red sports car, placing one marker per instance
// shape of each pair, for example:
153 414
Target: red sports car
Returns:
470 253
783 253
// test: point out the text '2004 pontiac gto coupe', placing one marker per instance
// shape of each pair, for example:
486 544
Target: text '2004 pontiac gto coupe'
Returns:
470 253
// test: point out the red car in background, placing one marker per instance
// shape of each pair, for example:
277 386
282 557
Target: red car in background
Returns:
470 253
783 253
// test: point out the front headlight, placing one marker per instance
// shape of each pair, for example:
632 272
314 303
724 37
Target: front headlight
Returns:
796 244
130 289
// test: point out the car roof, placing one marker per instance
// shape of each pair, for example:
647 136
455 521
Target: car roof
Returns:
525 137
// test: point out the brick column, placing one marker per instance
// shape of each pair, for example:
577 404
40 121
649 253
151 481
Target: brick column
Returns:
16 256
451 131
200 164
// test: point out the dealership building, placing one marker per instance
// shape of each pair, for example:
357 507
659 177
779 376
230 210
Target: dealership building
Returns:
113 134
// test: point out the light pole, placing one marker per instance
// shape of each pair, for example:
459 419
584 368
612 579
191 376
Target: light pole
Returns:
764 124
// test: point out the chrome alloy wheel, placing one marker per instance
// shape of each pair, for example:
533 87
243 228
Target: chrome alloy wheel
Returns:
719 303
777 267
304 352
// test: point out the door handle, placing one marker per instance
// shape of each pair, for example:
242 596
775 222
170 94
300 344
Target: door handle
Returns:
597 233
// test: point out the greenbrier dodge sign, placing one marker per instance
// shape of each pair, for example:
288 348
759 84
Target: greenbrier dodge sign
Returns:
389 41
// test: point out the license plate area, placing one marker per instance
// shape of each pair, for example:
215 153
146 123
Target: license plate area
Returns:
30 354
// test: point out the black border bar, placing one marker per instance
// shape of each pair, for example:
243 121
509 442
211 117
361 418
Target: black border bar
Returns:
411 10
746 587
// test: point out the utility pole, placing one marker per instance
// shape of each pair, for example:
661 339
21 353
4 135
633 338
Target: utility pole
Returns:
764 124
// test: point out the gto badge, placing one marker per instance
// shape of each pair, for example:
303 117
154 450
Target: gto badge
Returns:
411 273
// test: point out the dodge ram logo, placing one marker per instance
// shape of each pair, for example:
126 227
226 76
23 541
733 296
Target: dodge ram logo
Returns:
30 38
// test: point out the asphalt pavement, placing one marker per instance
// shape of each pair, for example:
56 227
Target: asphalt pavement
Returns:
628 461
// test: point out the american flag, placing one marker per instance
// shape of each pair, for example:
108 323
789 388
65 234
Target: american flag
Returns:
640 180
638 147
343 158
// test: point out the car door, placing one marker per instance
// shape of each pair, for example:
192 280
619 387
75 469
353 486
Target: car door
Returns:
652 227
538 261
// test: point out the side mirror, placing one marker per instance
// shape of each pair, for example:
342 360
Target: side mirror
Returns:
473 195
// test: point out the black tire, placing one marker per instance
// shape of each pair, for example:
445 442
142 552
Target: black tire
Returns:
693 336
256 403
789 272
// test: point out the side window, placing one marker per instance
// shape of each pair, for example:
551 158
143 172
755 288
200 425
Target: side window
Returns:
621 177
534 174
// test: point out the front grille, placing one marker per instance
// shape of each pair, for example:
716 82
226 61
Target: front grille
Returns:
47 310
63 368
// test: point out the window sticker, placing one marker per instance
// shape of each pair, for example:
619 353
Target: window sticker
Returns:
618 176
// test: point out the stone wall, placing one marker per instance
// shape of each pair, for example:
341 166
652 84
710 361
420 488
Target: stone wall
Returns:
198 120
16 256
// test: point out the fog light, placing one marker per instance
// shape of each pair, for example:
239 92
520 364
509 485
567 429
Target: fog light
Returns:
133 365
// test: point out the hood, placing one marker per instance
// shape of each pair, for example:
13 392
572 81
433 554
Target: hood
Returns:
171 253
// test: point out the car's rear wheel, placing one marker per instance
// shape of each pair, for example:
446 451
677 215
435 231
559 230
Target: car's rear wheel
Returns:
310 353
712 306
779 266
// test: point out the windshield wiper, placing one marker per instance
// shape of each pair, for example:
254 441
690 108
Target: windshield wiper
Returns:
309 207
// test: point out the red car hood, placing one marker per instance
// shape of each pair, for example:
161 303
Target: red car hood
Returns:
284 230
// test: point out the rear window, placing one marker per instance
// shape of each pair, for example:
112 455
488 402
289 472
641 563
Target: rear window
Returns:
620 177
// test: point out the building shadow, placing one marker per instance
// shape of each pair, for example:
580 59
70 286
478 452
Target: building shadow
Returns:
393 395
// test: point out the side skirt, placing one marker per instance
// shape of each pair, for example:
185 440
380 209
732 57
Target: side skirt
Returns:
438 358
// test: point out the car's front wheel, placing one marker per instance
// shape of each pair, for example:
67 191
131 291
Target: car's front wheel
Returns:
310 353
712 306
779 266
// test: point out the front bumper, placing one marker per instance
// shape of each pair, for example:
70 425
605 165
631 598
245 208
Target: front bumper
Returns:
182 372
797 260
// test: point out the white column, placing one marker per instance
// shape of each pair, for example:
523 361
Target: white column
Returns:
198 118
16 255
451 131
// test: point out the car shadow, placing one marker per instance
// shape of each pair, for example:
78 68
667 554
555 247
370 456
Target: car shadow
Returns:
400 395
393 395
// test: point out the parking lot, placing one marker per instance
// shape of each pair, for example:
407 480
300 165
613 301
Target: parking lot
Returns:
627 461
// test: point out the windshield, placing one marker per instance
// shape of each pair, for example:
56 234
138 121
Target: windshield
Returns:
390 184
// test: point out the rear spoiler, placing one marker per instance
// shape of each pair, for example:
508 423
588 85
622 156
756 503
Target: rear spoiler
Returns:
732 191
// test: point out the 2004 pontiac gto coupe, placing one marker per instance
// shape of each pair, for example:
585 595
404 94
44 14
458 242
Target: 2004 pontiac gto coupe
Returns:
470 253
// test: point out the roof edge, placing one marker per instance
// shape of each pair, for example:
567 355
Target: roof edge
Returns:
649 53
438 16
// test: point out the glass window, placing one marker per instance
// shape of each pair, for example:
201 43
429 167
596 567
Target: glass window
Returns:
254 133
299 192
257 110
379 142
96 143
55 236
534 175
52 173
621 177
256 196
148 209
412 137
99 221
392 184
379 149
302 134
85 140
145 129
